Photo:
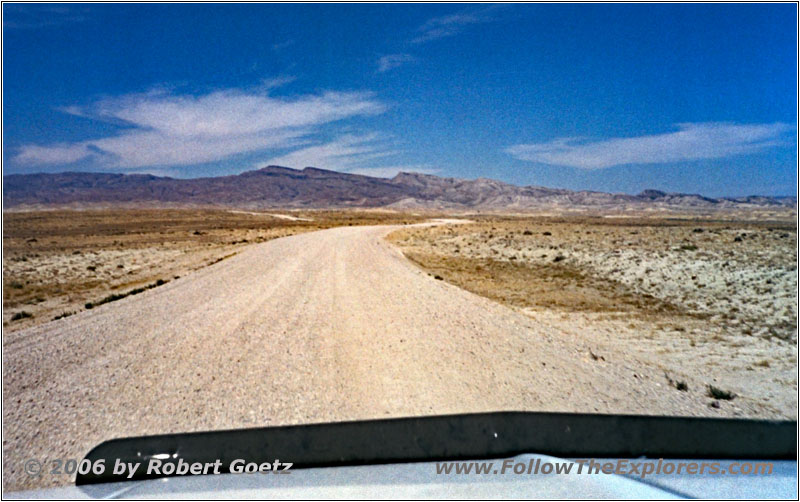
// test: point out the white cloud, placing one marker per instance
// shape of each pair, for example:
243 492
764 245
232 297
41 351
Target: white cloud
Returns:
710 140
24 16
273 83
392 61
165 129
351 153
453 24
391 171
55 154
345 153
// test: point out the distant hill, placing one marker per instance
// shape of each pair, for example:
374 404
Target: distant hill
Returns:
276 186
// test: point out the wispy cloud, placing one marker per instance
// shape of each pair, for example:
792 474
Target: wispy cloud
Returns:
30 16
167 129
453 24
392 171
392 61
365 154
345 153
275 82
692 141
277 47
59 154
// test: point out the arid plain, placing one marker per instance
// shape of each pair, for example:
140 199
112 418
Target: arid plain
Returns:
710 301
56 262
225 318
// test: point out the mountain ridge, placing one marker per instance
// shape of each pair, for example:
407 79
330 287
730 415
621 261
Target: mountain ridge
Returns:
312 187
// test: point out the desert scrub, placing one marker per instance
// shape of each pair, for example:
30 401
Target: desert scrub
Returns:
718 393
120 296
62 316
680 385
21 315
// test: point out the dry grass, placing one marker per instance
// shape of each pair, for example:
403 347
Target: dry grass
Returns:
541 286
57 262
711 301
740 274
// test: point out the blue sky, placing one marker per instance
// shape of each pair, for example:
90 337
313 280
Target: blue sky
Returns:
678 97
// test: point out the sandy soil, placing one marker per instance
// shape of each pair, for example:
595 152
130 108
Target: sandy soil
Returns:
55 262
322 326
704 302
273 215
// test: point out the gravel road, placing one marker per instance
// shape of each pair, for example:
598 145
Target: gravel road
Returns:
324 326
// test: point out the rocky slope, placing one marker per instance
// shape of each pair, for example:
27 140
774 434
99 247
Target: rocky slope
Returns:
275 186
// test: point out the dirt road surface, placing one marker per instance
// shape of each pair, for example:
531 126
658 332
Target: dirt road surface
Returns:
325 326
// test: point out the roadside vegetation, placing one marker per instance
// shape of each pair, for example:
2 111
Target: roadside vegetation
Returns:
710 301
58 263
